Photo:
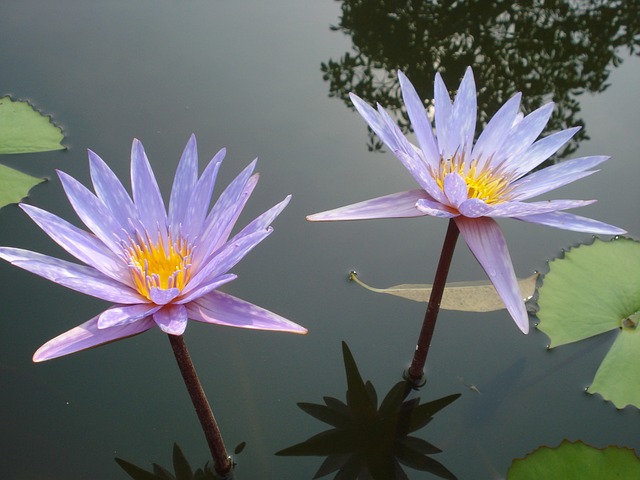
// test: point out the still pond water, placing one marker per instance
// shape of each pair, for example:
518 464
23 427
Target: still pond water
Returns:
267 79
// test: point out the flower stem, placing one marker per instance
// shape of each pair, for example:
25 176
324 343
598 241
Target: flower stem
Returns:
415 372
221 459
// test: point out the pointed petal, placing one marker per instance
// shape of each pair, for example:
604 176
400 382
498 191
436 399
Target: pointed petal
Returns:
225 258
495 133
92 212
224 309
225 213
77 277
569 221
455 188
86 336
200 198
435 209
184 183
125 314
373 118
541 151
554 177
396 205
523 134
464 113
487 243
421 174
518 209
146 194
82 245
263 221
419 121
206 287
110 190
162 296
172 319
442 106
474 207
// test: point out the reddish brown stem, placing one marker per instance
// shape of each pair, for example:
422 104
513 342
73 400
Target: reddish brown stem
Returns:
415 373
221 459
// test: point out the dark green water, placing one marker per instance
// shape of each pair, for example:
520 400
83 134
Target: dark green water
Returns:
247 76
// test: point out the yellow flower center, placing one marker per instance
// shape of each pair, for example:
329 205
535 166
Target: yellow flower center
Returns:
487 184
165 264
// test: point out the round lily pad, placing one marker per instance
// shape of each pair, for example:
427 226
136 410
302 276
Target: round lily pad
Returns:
593 289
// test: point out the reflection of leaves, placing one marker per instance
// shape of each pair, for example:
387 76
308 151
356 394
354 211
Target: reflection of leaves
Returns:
576 461
368 441
183 470
23 130
478 296
591 290
538 47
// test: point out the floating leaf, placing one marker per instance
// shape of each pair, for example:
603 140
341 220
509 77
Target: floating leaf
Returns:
591 290
15 185
478 296
576 461
25 130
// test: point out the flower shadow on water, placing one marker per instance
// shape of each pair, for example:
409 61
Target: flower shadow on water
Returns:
368 441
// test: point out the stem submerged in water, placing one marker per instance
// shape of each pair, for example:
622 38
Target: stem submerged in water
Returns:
221 459
415 373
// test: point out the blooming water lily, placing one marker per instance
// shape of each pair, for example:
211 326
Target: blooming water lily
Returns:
473 183
158 267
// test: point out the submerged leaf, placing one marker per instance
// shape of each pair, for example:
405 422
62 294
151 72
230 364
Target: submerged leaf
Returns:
576 461
15 185
591 290
480 296
25 130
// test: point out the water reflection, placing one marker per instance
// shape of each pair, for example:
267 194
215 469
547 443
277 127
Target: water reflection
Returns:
371 442
181 466
536 47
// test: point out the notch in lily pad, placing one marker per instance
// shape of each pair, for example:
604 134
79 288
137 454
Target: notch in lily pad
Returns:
23 130
591 290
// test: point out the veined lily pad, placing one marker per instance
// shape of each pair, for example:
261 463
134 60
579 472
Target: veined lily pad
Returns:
480 296
23 130
591 290
576 461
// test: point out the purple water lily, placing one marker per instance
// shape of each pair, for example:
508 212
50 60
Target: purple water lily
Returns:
159 268
476 182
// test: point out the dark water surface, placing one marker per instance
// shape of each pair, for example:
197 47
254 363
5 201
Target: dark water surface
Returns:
247 75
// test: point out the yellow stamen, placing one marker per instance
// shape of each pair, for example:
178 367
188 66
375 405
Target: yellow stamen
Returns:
165 264
487 184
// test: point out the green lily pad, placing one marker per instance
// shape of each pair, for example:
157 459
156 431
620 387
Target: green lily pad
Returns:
15 185
25 130
576 461
591 290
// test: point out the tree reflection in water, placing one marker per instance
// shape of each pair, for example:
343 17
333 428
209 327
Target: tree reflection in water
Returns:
566 47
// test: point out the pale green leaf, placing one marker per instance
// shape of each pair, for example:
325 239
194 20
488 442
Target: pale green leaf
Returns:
25 130
589 291
593 289
576 461
478 296
14 185
617 379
